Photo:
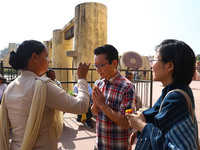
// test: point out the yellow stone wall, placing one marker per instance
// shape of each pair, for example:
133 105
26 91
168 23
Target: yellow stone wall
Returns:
11 47
90 31
58 56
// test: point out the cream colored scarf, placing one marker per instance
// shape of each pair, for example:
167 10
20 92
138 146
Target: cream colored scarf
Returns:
34 119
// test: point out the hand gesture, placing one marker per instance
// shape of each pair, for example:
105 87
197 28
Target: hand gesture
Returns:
137 120
98 97
82 70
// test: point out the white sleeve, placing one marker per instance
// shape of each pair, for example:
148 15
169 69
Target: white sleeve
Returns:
61 100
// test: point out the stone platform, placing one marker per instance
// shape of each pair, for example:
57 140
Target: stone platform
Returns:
76 136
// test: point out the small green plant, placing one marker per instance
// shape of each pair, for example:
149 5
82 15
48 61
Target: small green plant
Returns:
71 93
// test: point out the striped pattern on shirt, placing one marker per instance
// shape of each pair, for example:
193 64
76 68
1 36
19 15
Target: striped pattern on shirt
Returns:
119 94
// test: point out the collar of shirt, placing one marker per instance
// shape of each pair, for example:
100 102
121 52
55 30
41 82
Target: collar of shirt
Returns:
113 79
28 73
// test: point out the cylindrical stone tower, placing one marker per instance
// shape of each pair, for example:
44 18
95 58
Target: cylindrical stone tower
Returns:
90 31
59 59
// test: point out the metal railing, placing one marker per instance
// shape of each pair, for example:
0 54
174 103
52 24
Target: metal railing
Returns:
143 83
142 79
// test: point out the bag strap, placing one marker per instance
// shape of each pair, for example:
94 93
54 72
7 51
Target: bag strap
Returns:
164 100
190 108
189 103
34 119
4 126
35 115
187 99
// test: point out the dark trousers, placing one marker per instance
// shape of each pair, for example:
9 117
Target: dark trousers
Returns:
88 115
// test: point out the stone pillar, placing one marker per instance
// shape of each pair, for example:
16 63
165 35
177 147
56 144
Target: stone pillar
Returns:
90 31
11 47
56 49
59 59
49 48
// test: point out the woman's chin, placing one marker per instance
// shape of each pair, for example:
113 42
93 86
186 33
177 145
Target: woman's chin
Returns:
155 79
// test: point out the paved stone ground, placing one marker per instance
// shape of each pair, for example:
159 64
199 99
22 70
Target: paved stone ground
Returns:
76 136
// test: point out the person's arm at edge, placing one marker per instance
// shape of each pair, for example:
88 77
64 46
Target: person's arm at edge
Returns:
90 90
115 116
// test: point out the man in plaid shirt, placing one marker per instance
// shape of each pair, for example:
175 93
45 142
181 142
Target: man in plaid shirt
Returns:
112 95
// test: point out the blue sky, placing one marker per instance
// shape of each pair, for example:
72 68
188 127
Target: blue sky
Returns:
133 25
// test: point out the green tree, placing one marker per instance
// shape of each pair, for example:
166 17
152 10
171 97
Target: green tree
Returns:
198 57
3 52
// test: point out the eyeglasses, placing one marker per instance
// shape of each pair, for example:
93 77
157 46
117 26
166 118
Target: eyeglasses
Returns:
152 60
99 66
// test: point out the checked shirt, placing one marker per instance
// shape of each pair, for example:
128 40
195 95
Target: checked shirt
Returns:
119 94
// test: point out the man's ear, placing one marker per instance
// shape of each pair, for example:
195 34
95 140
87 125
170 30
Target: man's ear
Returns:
115 63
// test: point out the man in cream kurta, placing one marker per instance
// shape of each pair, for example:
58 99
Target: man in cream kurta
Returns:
18 97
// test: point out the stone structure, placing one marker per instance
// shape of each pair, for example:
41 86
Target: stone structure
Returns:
76 41
11 47
86 31
90 31
145 66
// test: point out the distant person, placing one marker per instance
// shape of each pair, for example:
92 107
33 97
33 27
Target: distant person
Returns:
144 73
32 105
127 71
51 74
129 76
88 122
2 86
136 77
112 95
170 123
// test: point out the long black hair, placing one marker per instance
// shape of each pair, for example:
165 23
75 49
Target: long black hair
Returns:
182 56
19 59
